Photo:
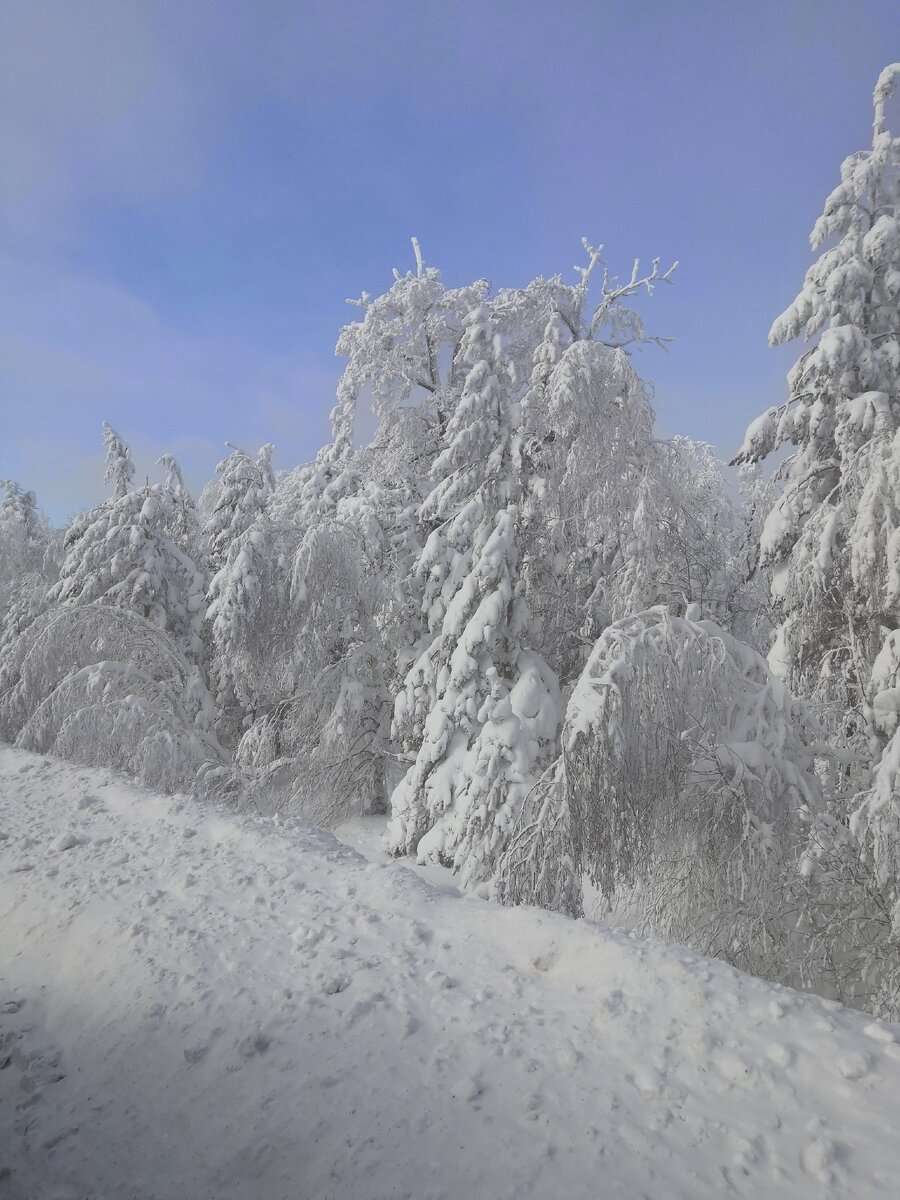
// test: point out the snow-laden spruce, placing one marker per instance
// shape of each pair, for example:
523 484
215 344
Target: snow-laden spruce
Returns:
832 541
28 549
122 553
491 702
119 463
23 530
243 490
832 536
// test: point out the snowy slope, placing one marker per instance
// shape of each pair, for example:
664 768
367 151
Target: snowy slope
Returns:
198 1006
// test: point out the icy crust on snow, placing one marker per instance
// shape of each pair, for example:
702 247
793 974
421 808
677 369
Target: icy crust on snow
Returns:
194 1004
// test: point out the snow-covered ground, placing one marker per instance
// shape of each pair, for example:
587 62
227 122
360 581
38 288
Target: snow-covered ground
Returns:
195 1005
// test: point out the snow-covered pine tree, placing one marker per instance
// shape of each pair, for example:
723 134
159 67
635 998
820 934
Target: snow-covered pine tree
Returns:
833 542
484 706
22 524
246 622
25 541
183 523
245 485
586 445
831 538
120 554
119 463
29 563
108 669
495 494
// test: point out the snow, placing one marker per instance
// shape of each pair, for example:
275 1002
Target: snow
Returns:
196 1004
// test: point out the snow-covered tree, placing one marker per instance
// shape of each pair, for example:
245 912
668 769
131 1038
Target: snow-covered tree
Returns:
252 621
479 709
119 463
539 865
831 538
29 563
107 669
489 704
685 767
832 541
183 519
851 869
339 535
705 536
245 485
121 554
324 739
22 525
617 520
402 351
106 687
246 619
585 452
318 645
27 546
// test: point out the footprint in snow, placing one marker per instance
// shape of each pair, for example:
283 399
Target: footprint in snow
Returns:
335 984
731 1067
648 1081
781 1055
818 1158
614 1004
197 1053
416 934
546 960
854 1066
256 1043
440 980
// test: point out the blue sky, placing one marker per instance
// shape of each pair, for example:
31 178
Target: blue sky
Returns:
190 191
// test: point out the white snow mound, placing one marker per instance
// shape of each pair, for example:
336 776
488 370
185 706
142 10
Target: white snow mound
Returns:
196 1005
